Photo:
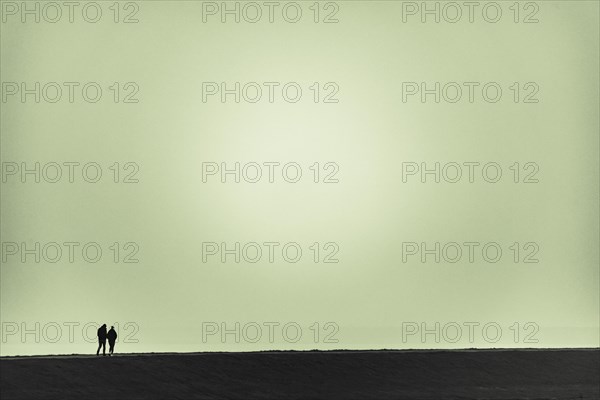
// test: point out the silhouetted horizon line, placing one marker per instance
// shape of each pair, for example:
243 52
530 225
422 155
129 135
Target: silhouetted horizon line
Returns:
428 350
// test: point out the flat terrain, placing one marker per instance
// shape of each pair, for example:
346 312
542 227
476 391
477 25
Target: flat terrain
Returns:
468 374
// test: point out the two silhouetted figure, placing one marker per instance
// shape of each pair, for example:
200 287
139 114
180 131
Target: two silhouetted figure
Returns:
111 335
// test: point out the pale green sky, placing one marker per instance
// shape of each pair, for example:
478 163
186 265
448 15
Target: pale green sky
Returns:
371 296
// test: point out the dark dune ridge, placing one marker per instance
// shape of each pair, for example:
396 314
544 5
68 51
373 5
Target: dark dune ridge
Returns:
434 374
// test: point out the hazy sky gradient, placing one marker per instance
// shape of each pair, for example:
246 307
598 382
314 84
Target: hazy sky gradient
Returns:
370 293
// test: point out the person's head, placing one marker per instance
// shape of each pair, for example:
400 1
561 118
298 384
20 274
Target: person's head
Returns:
104 325
112 327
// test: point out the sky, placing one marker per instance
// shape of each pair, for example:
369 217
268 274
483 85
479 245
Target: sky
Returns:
357 179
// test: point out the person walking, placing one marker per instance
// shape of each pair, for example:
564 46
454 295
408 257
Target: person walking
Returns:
101 340
112 338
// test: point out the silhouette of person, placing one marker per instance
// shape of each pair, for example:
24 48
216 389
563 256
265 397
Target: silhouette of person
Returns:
112 338
102 340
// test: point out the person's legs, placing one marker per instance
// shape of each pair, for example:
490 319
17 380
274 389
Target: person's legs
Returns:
104 347
111 348
99 345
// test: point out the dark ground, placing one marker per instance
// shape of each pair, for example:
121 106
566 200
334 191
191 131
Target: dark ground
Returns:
470 374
